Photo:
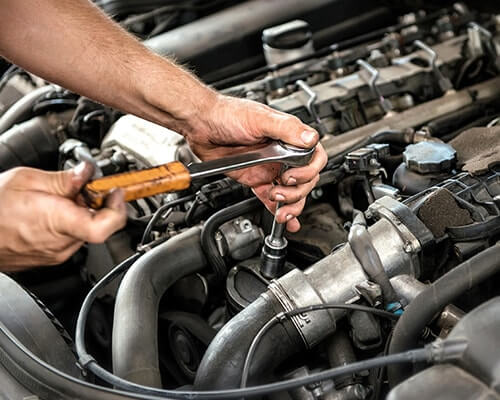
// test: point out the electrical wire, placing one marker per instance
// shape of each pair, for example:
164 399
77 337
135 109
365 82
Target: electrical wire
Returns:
288 314
158 213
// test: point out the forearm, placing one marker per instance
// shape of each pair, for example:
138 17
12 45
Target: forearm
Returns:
72 43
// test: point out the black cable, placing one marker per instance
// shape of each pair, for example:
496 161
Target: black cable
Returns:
381 371
158 213
89 300
288 314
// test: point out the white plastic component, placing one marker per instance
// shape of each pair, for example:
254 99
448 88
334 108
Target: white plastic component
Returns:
150 143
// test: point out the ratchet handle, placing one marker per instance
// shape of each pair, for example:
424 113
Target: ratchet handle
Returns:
164 178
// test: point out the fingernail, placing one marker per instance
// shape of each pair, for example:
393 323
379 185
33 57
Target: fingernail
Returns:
291 181
308 137
279 197
289 217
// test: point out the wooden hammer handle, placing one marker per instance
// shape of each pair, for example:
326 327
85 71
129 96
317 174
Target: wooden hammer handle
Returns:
138 184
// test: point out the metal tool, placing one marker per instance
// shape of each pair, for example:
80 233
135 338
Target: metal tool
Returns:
175 176
273 254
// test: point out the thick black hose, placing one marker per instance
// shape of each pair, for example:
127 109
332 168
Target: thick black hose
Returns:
363 249
31 144
213 223
21 109
135 326
431 300
222 364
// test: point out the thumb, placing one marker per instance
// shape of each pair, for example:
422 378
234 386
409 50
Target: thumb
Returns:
68 183
287 128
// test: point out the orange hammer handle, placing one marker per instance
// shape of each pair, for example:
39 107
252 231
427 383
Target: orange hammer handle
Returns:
164 178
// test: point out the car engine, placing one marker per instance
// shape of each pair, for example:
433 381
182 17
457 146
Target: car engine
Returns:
198 297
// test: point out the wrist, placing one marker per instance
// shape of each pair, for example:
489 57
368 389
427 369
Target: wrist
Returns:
174 97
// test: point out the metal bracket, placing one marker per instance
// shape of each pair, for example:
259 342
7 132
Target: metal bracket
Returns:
443 82
372 83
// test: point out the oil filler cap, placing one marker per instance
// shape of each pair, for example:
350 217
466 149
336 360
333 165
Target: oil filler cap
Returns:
429 157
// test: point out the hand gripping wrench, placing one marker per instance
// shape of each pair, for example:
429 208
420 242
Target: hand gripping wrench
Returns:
175 176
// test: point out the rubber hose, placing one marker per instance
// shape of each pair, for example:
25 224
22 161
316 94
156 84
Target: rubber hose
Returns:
31 144
222 364
363 249
135 326
213 223
21 109
432 299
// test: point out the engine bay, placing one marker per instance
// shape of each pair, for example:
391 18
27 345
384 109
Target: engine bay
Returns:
199 297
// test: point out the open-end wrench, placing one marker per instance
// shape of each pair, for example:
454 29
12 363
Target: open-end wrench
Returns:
175 176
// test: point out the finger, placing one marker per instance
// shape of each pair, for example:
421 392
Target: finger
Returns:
287 128
262 192
287 212
292 194
258 175
295 176
62 183
293 225
96 227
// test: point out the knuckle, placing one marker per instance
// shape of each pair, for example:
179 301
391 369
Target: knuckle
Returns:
16 174
289 122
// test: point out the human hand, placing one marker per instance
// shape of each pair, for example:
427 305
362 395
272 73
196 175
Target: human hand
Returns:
41 220
236 125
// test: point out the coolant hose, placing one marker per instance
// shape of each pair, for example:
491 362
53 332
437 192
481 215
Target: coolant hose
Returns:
433 298
222 364
21 109
135 325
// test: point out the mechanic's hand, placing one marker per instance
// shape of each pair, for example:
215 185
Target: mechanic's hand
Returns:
234 125
41 222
